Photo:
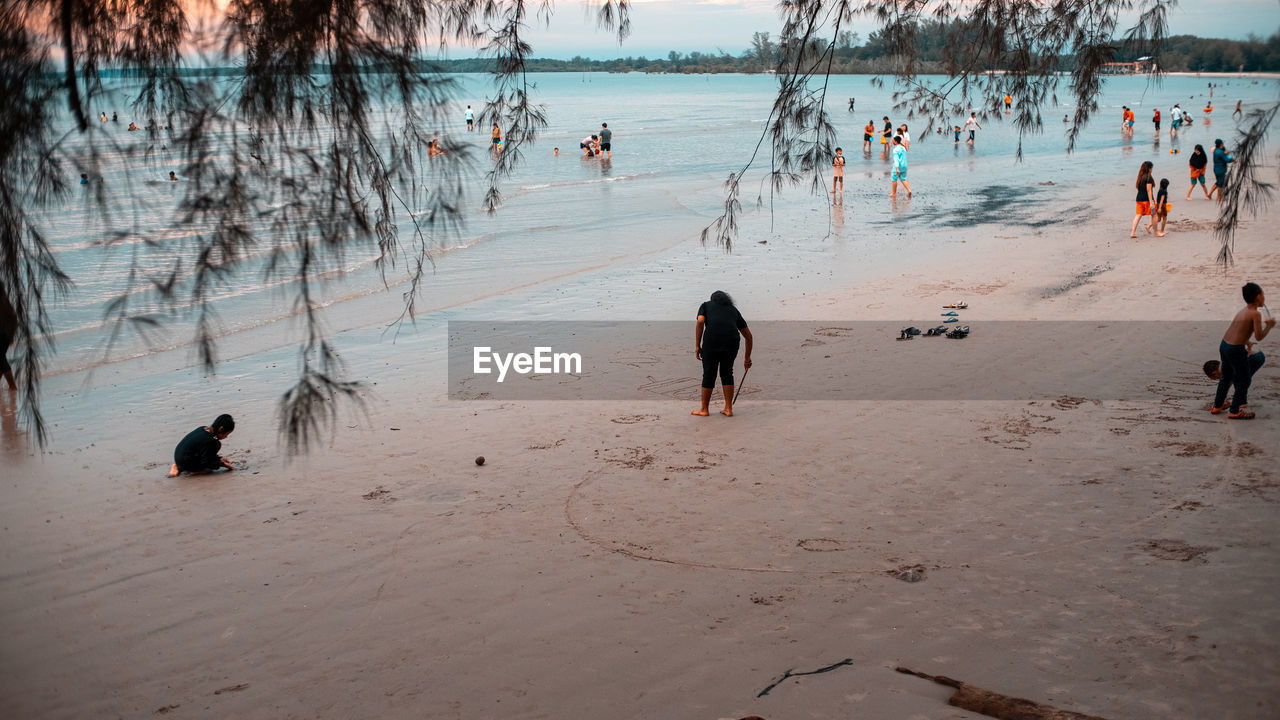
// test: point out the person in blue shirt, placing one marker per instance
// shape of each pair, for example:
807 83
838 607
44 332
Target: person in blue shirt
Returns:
1220 160
899 155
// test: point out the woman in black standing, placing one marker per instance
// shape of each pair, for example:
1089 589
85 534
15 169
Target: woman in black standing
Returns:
716 345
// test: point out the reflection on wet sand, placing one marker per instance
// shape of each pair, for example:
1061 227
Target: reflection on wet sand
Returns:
13 439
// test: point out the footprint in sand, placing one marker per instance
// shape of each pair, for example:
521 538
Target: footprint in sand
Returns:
819 545
379 493
1177 550
632 419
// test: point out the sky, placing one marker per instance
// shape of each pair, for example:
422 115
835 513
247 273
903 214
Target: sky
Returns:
659 26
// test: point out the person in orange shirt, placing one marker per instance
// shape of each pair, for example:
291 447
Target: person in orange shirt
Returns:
867 132
1156 120
1008 102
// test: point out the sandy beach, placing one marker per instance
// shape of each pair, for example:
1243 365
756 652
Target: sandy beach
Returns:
1109 557
1088 537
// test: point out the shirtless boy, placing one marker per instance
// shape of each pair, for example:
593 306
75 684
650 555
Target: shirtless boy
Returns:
1234 352
837 176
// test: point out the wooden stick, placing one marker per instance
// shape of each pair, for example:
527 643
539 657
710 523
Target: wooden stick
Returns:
996 705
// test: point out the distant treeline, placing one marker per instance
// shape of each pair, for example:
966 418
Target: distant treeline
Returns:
877 54
1181 53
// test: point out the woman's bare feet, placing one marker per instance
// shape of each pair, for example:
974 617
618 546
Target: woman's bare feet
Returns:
701 412
173 470
727 412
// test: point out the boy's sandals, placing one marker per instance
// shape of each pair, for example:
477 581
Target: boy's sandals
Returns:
1241 415
1220 410
958 333
936 332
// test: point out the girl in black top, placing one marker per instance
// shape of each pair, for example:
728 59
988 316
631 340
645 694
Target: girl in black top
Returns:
1145 190
1160 213
1198 162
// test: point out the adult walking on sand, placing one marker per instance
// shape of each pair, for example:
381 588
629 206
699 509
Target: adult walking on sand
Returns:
1220 160
1239 111
1146 191
1198 162
716 345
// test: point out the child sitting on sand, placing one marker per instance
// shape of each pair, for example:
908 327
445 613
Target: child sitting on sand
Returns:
198 451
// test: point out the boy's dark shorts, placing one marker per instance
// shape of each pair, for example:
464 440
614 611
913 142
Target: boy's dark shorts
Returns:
1220 180
606 146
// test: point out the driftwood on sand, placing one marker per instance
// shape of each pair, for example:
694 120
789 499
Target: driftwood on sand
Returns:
993 704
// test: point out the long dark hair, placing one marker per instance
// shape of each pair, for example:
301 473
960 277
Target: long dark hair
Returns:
1144 175
721 297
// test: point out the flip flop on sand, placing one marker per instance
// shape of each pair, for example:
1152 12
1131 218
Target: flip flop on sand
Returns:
956 306
933 332
953 313
959 333
951 320
904 334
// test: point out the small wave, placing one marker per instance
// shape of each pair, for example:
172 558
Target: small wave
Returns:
587 181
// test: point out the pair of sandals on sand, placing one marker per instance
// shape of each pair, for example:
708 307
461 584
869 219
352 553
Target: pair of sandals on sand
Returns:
955 333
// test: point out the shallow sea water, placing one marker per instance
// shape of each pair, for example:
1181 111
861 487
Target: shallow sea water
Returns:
587 238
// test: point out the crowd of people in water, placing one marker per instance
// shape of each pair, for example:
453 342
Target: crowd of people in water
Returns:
598 144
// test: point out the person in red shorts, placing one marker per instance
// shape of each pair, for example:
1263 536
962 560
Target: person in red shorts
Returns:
1146 191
